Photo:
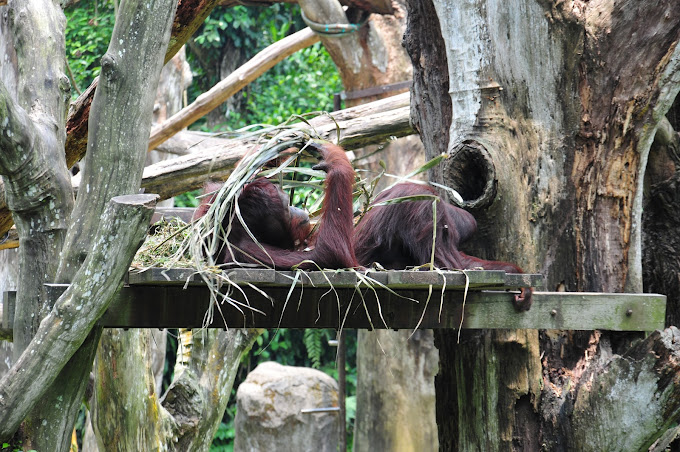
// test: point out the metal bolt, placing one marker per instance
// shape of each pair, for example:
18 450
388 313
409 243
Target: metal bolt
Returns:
553 312
629 312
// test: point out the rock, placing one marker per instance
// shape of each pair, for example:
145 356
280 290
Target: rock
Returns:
269 410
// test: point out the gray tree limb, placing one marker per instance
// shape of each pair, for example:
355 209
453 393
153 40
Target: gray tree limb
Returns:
188 414
122 230
117 150
33 166
119 128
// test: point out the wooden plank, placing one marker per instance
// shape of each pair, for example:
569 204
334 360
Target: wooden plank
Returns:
264 298
570 311
162 276
171 306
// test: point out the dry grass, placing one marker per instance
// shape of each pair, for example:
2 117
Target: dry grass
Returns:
162 247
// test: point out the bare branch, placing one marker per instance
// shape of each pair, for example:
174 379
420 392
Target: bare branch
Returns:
116 151
373 126
234 82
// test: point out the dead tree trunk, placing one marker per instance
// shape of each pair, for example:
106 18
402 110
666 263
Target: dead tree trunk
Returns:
548 113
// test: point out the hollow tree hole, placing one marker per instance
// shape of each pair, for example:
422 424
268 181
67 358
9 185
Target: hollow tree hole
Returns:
471 172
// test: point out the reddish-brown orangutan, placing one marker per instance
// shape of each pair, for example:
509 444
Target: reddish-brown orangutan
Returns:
283 232
400 235
396 236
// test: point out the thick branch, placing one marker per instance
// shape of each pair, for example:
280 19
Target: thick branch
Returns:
172 177
193 405
33 168
218 354
122 230
214 157
234 82
370 123
17 131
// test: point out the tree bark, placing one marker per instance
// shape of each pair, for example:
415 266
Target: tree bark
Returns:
536 101
395 391
188 414
634 399
33 168
661 244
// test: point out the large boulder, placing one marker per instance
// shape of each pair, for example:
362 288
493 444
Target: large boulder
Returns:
270 410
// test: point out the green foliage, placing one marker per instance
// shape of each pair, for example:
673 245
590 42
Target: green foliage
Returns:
14 448
246 27
88 31
313 343
304 82
187 199
223 441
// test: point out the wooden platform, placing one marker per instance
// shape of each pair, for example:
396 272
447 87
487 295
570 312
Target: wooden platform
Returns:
173 298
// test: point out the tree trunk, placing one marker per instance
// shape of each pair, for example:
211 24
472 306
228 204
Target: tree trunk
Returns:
661 244
395 391
548 129
130 415
149 346
128 412
66 327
